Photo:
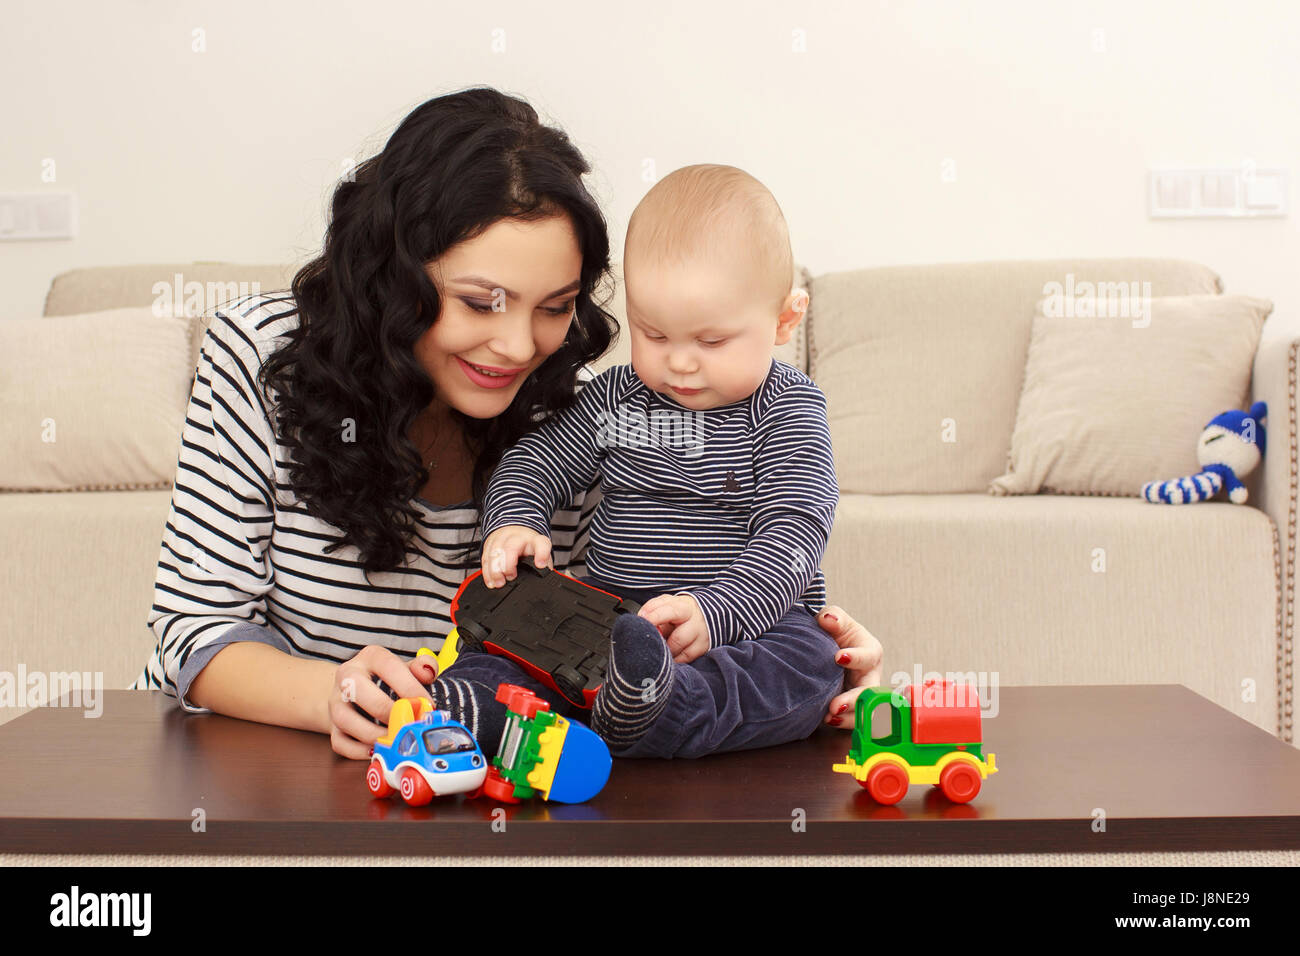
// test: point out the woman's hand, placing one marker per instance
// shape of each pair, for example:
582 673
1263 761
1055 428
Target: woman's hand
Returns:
860 654
351 733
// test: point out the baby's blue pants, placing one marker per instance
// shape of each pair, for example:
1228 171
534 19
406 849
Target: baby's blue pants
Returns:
756 693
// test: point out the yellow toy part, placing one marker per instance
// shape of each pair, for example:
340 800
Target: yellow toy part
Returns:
916 774
447 656
549 744
406 710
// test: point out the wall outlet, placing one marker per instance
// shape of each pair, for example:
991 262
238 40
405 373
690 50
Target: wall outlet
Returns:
1245 192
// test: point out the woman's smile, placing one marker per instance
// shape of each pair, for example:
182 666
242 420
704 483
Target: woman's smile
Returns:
488 376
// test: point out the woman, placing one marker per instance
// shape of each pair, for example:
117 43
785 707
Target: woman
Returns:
338 440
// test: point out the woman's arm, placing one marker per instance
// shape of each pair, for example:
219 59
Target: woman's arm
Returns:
217 649
255 681
213 571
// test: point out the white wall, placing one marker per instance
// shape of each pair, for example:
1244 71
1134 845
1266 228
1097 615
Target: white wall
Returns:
230 153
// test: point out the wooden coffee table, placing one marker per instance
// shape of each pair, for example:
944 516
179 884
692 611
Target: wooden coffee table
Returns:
1165 768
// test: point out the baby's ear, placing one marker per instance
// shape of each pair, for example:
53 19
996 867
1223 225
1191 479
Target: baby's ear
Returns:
796 311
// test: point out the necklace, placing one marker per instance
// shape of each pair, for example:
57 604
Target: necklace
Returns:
434 460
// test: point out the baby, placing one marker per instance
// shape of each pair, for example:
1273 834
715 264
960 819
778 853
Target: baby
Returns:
718 487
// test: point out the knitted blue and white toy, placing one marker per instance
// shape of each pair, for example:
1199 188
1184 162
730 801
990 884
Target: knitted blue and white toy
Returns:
1230 448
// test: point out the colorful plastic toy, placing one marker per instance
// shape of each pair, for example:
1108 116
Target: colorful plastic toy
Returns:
553 626
425 754
543 753
934 737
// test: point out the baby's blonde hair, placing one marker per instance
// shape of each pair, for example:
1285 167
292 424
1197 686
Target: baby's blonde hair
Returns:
720 214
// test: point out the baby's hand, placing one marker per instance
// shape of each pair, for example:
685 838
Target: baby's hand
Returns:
681 622
503 547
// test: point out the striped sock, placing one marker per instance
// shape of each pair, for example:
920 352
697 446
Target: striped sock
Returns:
473 704
476 706
637 684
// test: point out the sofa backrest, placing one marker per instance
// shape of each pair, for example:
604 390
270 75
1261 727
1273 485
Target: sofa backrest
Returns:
196 288
922 365
170 287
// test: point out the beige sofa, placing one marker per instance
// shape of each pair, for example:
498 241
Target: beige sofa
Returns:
949 577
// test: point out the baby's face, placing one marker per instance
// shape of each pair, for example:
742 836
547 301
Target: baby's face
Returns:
700 335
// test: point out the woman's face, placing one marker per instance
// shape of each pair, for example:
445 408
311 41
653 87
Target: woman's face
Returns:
507 302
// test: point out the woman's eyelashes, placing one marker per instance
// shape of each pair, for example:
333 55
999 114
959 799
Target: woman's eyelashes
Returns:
485 307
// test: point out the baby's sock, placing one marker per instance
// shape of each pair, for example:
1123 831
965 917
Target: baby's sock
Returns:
476 706
472 703
637 682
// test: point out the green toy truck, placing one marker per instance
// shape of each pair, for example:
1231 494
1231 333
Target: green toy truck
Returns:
934 737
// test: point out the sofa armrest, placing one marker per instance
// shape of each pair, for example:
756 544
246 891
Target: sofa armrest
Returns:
1274 381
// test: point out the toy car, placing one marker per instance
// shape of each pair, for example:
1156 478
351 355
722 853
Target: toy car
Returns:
553 626
934 737
425 754
541 752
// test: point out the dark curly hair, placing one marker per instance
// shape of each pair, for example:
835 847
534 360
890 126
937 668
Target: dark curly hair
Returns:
454 166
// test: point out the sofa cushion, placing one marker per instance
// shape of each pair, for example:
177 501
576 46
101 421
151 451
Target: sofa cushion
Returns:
78 573
93 401
189 288
921 365
1058 589
1111 402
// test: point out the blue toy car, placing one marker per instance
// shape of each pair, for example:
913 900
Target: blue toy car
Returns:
425 754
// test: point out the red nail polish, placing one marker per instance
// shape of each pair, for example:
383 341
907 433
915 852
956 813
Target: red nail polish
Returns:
831 617
835 720
842 659
843 708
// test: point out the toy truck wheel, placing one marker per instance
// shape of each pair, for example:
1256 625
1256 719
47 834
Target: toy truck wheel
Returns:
496 787
960 781
415 789
471 636
375 781
887 783
569 682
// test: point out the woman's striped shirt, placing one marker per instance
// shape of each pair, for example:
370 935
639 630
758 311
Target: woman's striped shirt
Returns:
242 560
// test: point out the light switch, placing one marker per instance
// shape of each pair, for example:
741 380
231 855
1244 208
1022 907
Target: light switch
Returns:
1263 192
45 215
1205 193
1210 190
1169 192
